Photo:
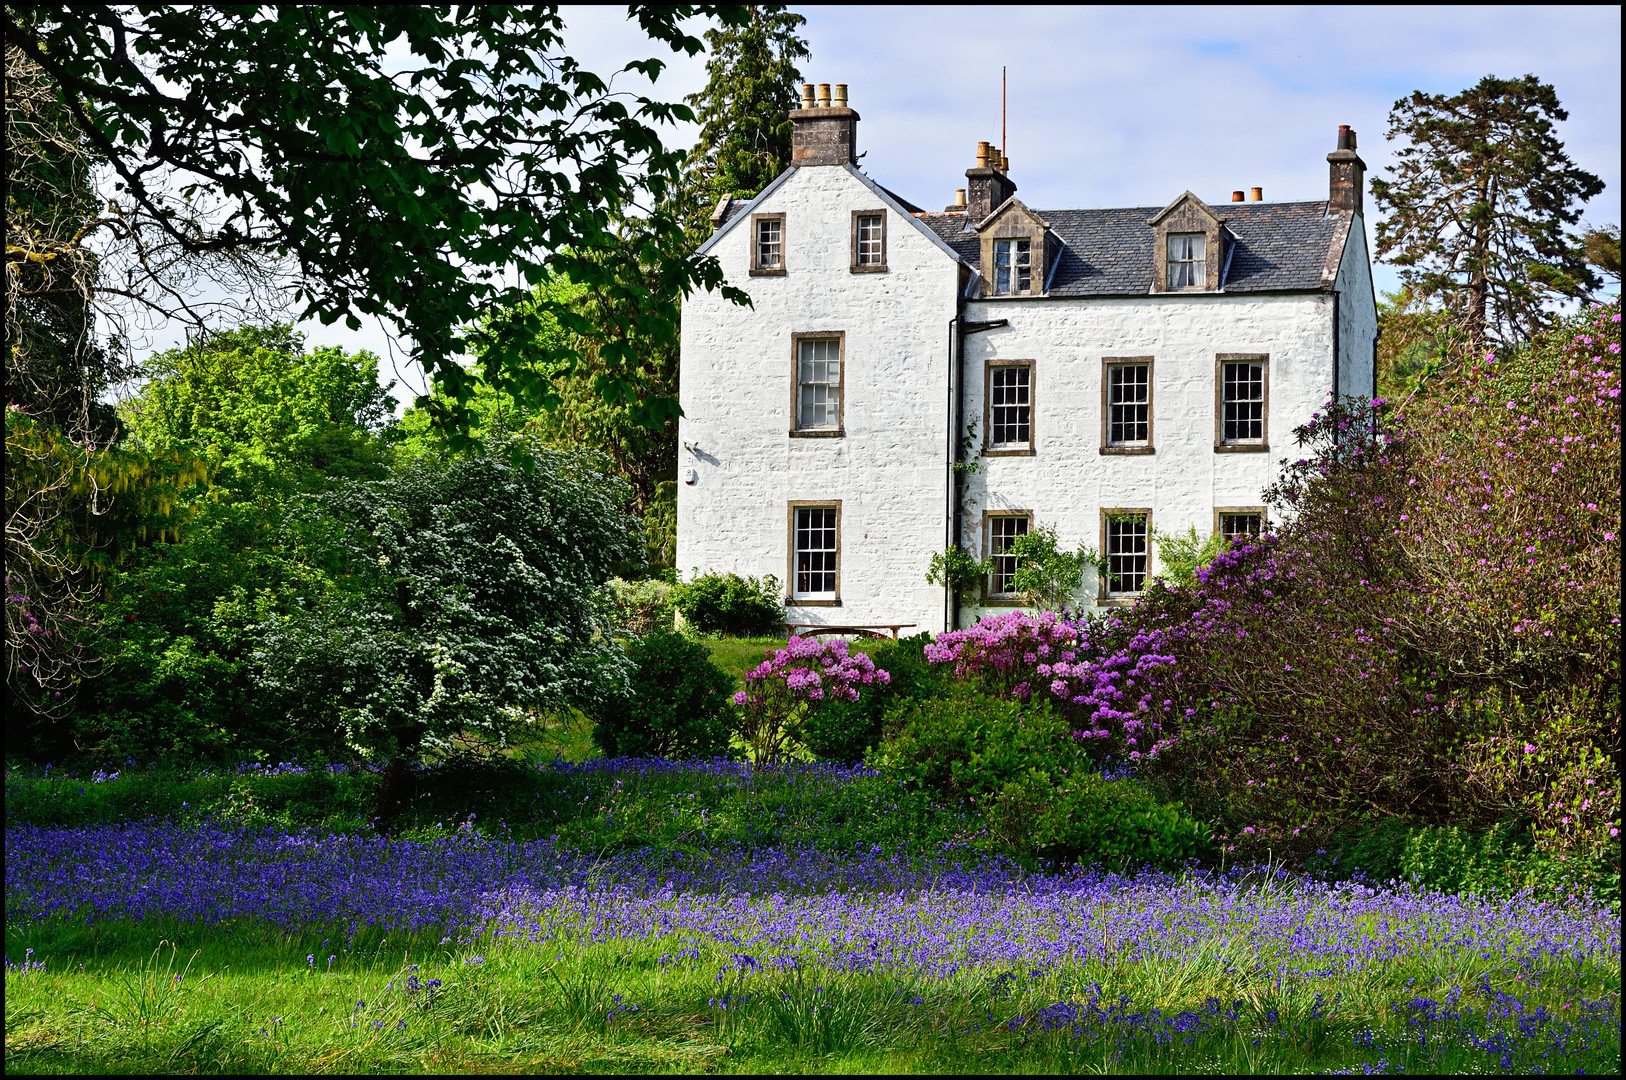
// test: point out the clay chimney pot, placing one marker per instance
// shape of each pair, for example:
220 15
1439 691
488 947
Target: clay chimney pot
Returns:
824 95
807 95
841 95
1237 196
1256 194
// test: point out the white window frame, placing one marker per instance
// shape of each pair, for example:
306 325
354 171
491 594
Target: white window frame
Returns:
1187 260
1013 266
768 256
869 241
1118 409
1113 524
1221 513
1237 410
1023 386
803 526
833 385
1015 523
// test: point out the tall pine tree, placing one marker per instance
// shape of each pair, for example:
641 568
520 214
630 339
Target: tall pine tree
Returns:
744 112
1478 206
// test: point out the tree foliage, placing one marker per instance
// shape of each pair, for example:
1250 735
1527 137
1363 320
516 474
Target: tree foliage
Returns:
423 164
744 112
273 422
73 511
268 413
1478 206
55 368
1046 576
474 594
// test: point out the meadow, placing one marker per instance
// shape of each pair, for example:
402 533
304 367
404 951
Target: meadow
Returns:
720 917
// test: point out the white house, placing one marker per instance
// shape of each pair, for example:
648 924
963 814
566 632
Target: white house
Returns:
1116 373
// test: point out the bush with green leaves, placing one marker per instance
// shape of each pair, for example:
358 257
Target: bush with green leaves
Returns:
1181 555
1093 819
1019 766
275 422
967 747
731 605
845 731
644 607
1047 577
678 705
475 597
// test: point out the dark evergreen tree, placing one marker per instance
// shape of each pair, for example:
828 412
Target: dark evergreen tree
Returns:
744 112
1478 205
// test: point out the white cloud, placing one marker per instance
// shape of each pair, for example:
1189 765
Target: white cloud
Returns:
1129 106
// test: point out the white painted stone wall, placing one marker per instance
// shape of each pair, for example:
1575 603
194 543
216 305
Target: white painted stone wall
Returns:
1068 481
1357 319
889 471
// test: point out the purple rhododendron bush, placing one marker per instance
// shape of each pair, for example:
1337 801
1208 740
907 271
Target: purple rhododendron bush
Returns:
1432 635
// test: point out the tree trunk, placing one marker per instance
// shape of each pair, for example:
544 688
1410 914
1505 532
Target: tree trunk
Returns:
394 794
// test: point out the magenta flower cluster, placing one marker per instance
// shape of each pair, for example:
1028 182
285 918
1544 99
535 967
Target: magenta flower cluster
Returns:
811 670
1104 687
795 682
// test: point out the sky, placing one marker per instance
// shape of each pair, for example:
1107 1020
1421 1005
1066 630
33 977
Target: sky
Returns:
1130 106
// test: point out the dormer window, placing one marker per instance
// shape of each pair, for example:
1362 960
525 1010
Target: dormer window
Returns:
1188 261
1013 267
1188 247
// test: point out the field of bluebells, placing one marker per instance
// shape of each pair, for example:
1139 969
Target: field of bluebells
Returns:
956 905
209 946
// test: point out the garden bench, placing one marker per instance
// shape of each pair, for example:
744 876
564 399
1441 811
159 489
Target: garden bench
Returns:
869 630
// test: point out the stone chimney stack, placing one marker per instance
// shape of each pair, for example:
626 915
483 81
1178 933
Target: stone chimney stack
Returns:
823 131
987 186
1348 180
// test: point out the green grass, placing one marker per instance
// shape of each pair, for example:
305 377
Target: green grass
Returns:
688 810
739 655
247 1001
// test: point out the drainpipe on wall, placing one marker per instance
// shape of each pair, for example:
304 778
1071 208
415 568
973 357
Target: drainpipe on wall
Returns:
951 490
1335 357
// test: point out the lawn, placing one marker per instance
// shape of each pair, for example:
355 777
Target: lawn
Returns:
738 655
648 916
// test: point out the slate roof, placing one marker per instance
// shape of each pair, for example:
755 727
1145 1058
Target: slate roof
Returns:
1278 247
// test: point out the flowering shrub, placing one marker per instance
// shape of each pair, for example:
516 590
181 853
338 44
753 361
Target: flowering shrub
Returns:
1436 632
1101 687
795 682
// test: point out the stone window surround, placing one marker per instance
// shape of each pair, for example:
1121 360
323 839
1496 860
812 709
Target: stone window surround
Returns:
774 271
988 449
874 268
1220 445
791 506
1016 222
991 599
1264 516
1103 578
796 430
1187 214
1107 363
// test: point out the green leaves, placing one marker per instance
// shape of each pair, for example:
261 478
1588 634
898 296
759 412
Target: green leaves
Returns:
953 568
416 163
1046 576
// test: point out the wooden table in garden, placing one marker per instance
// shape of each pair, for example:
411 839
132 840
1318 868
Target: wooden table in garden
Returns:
870 630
